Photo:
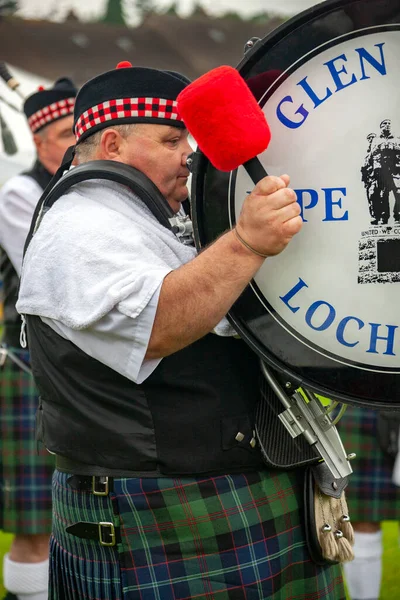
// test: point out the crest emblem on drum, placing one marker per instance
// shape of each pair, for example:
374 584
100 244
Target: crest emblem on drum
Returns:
379 246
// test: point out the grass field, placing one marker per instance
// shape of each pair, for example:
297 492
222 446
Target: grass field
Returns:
5 541
391 561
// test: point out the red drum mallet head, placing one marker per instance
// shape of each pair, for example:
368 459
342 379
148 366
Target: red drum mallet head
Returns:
223 116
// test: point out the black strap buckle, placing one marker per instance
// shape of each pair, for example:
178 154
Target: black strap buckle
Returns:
104 532
100 486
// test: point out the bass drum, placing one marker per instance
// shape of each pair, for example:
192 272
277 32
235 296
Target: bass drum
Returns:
325 313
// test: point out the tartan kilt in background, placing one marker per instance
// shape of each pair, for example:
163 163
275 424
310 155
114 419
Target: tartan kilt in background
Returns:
371 495
232 537
25 475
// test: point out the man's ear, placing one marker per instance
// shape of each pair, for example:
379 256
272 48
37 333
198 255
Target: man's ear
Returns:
111 144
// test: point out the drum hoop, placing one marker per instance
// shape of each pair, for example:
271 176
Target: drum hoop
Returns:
287 27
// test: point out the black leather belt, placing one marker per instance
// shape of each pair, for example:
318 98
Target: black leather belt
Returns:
99 485
68 465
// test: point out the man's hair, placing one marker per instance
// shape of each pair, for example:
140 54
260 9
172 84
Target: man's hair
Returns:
86 149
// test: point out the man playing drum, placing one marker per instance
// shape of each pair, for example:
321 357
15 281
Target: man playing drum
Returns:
148 398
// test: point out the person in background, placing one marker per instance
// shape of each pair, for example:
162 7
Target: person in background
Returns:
25 472
371 496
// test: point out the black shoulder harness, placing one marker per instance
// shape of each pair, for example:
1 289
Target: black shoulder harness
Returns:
110 170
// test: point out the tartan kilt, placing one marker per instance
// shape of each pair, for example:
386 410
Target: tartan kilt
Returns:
371 495
231 537
25 472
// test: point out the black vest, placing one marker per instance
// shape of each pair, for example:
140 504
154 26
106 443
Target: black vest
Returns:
12 320
184 419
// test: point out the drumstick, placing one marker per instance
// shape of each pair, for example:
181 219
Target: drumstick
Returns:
224 118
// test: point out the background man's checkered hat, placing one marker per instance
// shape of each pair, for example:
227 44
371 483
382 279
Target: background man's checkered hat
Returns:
48 105
128 95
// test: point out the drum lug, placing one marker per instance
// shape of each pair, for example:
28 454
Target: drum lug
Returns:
251 43
194 160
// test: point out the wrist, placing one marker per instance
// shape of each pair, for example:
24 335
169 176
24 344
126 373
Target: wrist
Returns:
242 239
242 249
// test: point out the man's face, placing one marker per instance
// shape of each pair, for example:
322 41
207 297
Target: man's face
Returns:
53 141
386 126
160 152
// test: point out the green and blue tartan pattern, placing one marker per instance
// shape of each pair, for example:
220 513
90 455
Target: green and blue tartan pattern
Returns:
231 537
25 472
371 495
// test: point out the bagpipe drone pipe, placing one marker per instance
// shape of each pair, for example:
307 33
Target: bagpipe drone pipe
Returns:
7 137
322 315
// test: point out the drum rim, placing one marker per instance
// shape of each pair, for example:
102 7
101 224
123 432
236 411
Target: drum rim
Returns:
287 27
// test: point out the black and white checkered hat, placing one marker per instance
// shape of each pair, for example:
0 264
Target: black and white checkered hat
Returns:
48 105
128 95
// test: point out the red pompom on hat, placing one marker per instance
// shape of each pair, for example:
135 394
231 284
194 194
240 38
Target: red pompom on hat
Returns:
224 118
40 88
125 64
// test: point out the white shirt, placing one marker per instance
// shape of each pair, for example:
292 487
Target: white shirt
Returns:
18 199
102 231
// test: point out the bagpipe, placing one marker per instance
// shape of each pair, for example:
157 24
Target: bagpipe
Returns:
8 140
